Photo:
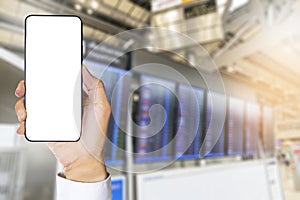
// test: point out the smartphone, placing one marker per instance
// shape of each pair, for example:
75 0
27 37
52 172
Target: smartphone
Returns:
53 80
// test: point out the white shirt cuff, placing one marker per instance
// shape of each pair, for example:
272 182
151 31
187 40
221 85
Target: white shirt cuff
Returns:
72 190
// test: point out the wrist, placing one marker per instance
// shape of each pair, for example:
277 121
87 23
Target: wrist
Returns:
86 171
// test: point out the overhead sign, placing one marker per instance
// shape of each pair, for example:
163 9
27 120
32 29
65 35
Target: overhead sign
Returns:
188 1
203 8
159 5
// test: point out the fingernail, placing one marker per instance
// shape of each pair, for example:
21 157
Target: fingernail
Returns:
17 91
20 114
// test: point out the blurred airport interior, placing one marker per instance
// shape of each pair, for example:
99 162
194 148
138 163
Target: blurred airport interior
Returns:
252 46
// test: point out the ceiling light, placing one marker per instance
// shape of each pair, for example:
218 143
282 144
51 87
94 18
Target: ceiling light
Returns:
230 69
89 11
94 4
92 44
77 6
128 44
136 97
237 4
222 2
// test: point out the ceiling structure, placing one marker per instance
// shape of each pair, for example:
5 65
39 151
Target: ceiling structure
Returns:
256 41
269 55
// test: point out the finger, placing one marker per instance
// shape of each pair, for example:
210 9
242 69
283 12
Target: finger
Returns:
20 91
100 91
93 83
89 80
21 129
20 110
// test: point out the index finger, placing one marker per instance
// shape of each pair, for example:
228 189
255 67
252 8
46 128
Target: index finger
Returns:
20 91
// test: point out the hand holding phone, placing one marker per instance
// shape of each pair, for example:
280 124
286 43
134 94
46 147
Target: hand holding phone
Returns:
83 160
53 84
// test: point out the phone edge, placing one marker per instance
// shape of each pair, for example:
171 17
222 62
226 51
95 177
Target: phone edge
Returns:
81 27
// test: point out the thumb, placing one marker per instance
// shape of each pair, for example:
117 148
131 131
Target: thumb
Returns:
89 80
93 85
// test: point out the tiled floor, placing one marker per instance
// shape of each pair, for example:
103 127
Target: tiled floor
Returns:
288 185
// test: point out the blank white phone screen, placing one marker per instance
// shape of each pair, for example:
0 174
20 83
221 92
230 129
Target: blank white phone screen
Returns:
53 77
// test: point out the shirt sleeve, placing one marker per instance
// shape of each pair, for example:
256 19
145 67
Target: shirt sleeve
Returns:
72 190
